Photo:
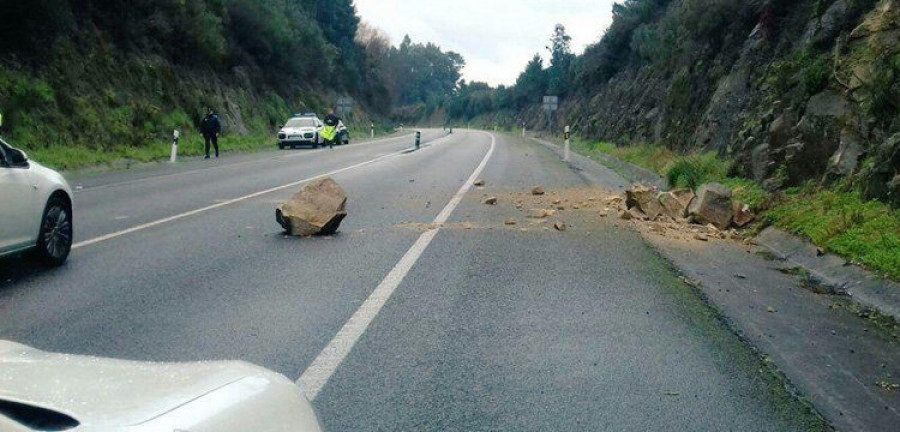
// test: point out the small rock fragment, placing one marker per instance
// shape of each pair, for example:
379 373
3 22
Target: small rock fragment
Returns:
560 226
510 222
770 309
479 182
537 190
540 213
490 200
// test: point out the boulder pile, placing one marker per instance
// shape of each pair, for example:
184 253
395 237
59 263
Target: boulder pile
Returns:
317 209
711 205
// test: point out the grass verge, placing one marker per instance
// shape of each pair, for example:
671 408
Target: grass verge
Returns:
841 221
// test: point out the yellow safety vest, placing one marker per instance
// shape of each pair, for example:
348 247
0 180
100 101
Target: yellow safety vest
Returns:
328 133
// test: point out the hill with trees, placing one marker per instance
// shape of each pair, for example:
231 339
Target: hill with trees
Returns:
105 79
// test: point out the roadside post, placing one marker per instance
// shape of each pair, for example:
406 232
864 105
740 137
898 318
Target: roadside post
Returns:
567 136
174 156
418 139
372 129
523 129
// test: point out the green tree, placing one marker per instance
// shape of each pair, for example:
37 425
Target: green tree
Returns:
561 60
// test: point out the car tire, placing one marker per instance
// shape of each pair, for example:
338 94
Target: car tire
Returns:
55 238
280 146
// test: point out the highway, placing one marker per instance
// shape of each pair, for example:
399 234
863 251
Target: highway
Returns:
426 312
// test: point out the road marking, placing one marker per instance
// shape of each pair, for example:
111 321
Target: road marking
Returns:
224 203
279 157
326 363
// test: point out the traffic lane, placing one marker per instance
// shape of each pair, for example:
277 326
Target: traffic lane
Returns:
228 284
497 328
120 206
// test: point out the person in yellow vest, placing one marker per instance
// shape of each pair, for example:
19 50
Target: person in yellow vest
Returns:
329 132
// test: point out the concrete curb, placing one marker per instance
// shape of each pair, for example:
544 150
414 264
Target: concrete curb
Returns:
834 272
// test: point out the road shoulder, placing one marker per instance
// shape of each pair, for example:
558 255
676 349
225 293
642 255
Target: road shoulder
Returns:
841 362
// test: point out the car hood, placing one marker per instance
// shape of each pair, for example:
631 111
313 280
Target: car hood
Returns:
105 392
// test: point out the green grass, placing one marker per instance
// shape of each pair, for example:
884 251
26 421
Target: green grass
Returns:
842 222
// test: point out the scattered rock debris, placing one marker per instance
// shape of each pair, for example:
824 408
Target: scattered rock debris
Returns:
490 200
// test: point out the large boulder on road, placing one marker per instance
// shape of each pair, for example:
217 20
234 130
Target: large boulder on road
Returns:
712 206
317 209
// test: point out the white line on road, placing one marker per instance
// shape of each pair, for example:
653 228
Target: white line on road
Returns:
326 363
111 236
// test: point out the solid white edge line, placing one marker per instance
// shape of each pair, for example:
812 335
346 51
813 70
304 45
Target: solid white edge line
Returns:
141 227
326 363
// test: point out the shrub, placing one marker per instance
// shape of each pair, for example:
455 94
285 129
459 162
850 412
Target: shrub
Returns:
694 171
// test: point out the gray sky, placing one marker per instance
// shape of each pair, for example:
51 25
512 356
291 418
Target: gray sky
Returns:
497 37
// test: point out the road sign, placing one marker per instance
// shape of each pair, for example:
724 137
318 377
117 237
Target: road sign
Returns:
551 103
345 105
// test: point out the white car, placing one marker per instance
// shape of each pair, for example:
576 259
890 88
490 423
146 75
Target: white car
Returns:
35 208
41 391
302 129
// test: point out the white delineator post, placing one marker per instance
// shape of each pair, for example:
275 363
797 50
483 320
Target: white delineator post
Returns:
523 129
566 152
174 157
372 129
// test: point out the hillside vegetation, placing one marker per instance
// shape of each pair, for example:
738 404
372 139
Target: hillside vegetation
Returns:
91 81
794 91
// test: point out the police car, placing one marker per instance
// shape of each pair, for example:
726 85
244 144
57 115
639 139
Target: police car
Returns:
300 130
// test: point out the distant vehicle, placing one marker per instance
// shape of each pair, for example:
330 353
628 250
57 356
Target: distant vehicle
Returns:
343 134
300 130
35 208
41 391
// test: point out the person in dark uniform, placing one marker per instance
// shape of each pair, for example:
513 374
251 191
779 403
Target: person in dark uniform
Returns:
329 132
211 127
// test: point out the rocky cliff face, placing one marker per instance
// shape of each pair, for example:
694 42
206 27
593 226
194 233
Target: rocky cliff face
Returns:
805 90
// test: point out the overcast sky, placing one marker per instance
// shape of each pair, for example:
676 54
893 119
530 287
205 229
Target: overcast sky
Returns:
496 37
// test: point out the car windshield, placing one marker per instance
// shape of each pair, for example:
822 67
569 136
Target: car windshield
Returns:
300 122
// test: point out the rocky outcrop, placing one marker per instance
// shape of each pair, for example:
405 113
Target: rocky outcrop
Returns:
318 209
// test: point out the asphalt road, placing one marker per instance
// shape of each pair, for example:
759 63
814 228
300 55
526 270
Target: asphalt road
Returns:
484 326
